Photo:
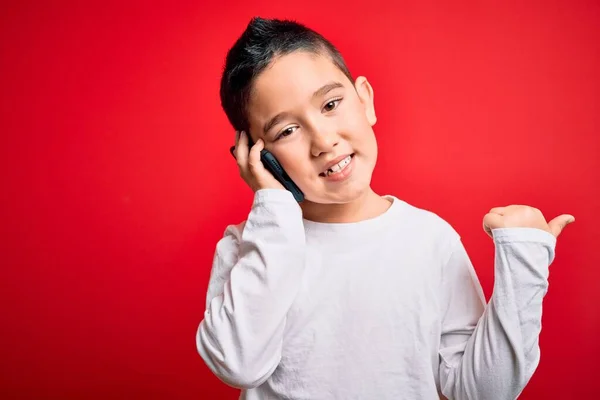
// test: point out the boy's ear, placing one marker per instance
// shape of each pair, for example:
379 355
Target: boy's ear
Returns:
365 94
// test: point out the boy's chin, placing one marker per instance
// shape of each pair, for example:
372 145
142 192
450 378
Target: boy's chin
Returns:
346 195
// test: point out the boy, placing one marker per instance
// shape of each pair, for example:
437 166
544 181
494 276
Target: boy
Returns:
349 294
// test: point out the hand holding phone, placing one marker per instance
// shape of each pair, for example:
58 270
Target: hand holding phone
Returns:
244 150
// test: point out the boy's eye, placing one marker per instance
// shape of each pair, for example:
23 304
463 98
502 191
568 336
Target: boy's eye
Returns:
332 105
286 132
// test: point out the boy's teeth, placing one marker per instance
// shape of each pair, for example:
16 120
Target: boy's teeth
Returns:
339 166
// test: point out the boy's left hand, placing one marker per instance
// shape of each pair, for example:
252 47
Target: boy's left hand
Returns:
518 216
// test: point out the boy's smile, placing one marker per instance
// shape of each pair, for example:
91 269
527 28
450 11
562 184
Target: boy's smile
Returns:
318 124
338 169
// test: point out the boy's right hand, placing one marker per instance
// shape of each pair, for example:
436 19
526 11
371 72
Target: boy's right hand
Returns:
251 167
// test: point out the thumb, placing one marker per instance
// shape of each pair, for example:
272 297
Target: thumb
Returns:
558 224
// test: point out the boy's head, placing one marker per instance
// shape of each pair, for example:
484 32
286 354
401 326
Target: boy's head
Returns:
288 85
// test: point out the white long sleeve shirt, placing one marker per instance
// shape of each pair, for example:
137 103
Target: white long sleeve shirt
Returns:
386 308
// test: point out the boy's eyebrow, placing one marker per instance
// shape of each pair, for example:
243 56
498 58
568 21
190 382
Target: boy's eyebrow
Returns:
274 121
322 91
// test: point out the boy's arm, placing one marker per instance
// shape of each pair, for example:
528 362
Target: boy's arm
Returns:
255 276
492 352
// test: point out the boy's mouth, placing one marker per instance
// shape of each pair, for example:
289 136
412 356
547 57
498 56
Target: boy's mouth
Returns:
338 166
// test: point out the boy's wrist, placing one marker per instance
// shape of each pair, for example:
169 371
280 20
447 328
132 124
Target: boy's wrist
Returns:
273 195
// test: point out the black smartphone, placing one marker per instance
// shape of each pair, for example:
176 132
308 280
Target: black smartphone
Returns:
273 166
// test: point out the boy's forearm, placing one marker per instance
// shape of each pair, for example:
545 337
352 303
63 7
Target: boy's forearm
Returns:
241 335
503 352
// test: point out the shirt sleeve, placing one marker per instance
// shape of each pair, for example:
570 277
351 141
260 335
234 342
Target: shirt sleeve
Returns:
491 352
255 277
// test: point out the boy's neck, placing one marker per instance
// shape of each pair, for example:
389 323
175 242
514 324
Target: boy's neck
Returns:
368 206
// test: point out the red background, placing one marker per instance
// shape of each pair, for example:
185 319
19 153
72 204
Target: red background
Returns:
117 181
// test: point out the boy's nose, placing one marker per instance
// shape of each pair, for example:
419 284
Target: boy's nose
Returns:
323 142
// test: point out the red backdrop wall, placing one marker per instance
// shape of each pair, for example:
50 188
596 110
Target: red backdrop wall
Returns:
117 181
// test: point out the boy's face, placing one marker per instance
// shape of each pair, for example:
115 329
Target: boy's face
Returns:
323 117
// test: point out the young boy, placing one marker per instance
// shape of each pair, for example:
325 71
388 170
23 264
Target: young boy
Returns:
349 294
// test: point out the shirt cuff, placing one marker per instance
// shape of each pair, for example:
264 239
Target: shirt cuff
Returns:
514 235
